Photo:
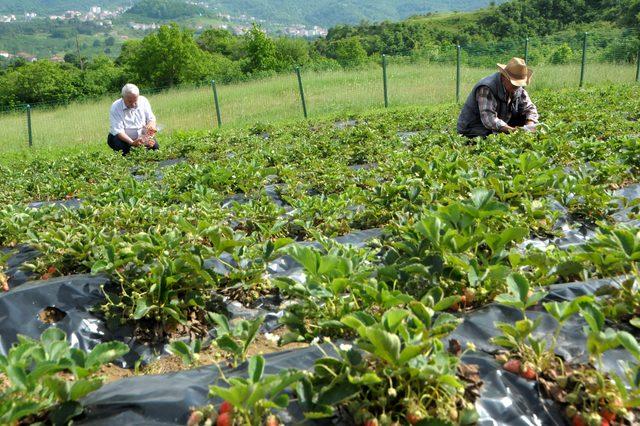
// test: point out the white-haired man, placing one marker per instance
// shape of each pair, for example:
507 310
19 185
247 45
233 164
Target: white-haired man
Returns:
132 122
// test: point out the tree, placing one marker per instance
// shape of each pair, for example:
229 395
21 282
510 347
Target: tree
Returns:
216 40
348 51
109 41
290 52
102 76
41 81
561 55
260 50
167 57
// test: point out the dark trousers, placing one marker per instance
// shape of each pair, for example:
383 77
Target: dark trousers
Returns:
116 144
483 132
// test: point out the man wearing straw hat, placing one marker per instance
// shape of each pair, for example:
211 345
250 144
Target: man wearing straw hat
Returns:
499 104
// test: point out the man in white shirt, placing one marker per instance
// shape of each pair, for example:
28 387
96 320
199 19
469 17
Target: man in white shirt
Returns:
132 122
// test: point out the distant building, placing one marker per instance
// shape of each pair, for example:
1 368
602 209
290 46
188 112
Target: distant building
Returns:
56 58
96 10
27 56
6 54
30 15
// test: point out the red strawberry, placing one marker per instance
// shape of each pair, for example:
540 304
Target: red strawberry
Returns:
224 419
513 366
607 415
528 373
371 422
413 418
271 421
578 421
605 422
225 407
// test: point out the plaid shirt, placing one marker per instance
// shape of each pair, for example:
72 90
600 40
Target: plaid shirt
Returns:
489 109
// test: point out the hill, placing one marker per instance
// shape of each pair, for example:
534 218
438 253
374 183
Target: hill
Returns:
43 7
331 12
320 12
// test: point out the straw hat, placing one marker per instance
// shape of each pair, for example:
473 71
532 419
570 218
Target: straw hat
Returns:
516 71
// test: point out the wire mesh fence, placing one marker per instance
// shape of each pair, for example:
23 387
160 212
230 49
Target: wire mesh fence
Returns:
428 77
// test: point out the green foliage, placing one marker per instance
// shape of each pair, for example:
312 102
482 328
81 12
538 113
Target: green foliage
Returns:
169 57
348 51
260 51
48 377
562 54
399 368
236 338
255 397
40 81
165 9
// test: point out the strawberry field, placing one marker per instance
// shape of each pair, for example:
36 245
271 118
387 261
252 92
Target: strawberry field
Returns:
401 273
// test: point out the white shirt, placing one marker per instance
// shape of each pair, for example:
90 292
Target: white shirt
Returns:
130 120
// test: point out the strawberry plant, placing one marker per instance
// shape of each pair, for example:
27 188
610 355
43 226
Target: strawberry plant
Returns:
329 290
47 377
249 401
399 371
235 339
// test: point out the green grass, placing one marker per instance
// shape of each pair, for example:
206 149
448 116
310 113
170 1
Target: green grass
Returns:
84 126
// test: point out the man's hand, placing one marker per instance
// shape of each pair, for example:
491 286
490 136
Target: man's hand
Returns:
137 142
151 128
4 282
508 129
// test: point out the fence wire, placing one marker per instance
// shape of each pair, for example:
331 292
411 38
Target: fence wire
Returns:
427 77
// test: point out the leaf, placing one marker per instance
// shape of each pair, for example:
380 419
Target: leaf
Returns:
593 317
337 393
182 350
18 377
52 335
630 343
446 303
227 343
104 353
141 309
100 266
222 321
63 413
387 345
410 352
82 388
393 317
424 314
256 368
519 286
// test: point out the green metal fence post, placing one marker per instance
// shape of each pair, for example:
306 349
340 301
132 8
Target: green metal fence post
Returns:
638 67
526 50
584 59
459 59
384 79
304 103
29 126
215 99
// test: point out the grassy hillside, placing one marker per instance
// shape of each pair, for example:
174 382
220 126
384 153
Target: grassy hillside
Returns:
56 6
332 12
321 12
83 126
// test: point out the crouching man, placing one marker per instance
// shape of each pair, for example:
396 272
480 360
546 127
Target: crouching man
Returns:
499 103
132 122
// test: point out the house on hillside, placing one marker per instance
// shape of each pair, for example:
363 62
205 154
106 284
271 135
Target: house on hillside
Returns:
27 56
57 58
5 54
